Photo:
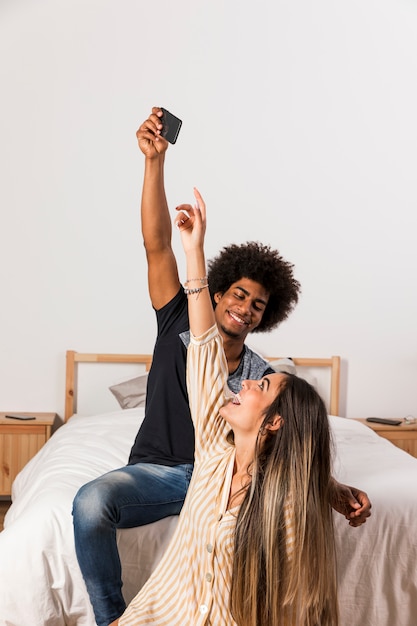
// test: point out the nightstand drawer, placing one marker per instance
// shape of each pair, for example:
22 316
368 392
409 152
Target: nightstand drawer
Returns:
19 442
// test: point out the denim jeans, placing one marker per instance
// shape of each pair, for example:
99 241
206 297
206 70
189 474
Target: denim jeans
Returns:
124 498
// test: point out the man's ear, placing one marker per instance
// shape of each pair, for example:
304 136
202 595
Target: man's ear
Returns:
275 424
217 297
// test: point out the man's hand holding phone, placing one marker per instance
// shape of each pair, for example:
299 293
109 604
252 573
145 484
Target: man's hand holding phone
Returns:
160 127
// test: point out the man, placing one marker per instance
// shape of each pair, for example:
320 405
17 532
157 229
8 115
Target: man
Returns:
253 289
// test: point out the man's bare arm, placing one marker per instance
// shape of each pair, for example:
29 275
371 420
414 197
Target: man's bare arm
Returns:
163 279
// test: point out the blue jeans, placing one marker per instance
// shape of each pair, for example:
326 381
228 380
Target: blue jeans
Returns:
124 498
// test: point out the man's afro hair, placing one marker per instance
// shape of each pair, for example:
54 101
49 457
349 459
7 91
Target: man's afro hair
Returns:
259 263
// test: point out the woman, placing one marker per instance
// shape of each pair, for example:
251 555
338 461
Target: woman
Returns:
254 544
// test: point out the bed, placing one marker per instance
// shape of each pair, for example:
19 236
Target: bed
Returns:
40 582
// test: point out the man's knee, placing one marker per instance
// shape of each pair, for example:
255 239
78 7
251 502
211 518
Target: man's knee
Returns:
80 503
97 500
89 502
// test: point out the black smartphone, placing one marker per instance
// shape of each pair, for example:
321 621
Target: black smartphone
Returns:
382 420
171 126
15 416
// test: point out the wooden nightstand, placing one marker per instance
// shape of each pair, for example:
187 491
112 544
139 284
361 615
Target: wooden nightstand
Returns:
404 436
19 442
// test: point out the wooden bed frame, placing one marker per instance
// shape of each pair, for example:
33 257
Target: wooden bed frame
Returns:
74 358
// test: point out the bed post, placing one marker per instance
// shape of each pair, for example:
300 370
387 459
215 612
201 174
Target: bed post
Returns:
335 385
70 383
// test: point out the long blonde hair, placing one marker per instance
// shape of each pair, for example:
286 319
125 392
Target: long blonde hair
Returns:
284 570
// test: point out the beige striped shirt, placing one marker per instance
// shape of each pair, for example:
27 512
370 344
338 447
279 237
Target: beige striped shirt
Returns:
191 584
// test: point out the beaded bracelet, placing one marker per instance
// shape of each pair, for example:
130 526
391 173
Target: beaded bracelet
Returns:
197 290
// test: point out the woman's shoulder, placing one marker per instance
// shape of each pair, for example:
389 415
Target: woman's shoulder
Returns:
210 335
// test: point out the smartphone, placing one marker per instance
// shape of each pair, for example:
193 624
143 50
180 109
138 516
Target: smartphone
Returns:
381 420
14 416
171 126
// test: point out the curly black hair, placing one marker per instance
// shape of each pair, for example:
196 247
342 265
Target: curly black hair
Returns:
259 263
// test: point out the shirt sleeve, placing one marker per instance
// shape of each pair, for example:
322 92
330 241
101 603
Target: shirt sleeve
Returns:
207 373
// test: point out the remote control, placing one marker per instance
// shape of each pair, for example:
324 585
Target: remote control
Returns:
13 416
381 420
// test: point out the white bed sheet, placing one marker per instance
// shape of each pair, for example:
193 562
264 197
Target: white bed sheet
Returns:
40 582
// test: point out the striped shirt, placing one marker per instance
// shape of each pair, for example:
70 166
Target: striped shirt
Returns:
191 584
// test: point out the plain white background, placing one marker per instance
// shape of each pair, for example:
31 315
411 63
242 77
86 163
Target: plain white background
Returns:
299 128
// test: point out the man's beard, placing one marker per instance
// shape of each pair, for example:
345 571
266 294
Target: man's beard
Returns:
230 333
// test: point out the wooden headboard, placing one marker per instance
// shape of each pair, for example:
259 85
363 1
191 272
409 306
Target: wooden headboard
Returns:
73 358
333 363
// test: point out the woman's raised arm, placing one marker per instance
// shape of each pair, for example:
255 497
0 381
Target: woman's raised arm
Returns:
191 222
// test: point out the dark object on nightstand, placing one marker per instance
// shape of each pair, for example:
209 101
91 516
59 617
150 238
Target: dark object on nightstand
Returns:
381 420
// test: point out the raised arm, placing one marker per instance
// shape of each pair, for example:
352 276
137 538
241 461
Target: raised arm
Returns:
207 369
191 221
163 280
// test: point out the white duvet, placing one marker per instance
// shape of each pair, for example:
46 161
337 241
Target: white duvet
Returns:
40 582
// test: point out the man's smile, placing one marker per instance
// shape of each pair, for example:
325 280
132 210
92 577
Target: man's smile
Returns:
239 320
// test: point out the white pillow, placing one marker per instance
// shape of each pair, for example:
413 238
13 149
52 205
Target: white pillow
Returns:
131 393
287 365
283 365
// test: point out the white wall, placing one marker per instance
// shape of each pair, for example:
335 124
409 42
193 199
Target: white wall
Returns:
300 129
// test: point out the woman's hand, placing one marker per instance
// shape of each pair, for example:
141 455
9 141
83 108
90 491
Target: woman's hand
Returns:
149 136
191 222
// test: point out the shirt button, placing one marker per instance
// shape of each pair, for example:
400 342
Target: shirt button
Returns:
203 609
209 577
209 547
